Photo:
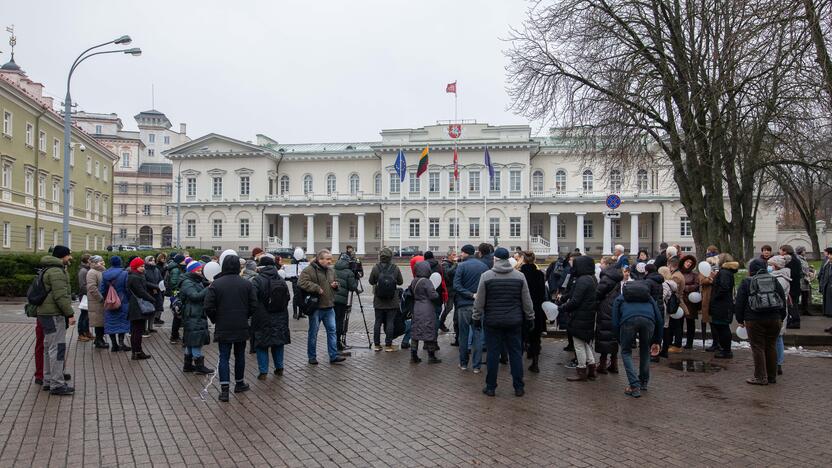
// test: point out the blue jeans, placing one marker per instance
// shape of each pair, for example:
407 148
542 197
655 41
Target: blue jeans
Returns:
406 337
781 350
437 309
263 358
327 316
510 339
469 335
195 351
643 328
239 362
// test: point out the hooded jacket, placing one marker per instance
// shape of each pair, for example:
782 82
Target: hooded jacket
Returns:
582 303
56 280
721 305
423 325
192 292
229 303
537 289
655 281
116 321
609 288
635 301
316 278
743 311
270 322
496 303
346 281
94 298
467 280
385 264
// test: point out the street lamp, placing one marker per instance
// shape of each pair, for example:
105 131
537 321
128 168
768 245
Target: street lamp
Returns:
123 40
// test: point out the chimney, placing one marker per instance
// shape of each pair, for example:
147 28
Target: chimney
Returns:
182 128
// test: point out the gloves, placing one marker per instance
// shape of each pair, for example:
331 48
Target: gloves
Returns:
530 325
477 324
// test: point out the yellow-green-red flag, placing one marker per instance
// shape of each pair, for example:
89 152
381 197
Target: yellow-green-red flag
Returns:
423 162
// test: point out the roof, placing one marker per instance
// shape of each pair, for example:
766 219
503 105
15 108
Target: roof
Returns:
11 65
156 168
94 116
351 147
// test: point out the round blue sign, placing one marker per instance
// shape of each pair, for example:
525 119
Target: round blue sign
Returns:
613 201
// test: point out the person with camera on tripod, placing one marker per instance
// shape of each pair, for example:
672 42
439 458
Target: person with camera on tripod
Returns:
347 284
319 283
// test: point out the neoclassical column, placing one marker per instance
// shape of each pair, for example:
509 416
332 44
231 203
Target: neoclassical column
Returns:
359 244
335 231
579 232
285 233
634 233
553 233
310 234
607 235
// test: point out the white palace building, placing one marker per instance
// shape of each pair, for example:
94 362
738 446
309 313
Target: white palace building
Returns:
543 196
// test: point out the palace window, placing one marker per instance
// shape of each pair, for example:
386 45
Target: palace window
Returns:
190 228
216 228
514 181
433 182
560 182
433 227
414 183
473 181
330 184
453 228
284 185
493 227
245 186
684 227
307 184
377 184
395 227
494 183
355 183
473 227
615 181
641 180
395 183
514 227
217 186
588 229
587 181
191 184
244 227
414 227
537 181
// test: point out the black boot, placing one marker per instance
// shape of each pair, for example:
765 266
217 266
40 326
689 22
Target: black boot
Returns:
432 359
414 356
241 387
224 392
114 344
189 364
121 345
199 367
534 367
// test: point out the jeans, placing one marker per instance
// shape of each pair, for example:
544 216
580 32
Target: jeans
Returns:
643 328
83 322
496 340
239 362
466 329
763 335
583 352
387 318
54 349
781 350
327 316
263 358
193 351
437 309
406 337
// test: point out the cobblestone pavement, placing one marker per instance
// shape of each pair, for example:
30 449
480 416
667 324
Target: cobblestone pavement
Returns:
379 410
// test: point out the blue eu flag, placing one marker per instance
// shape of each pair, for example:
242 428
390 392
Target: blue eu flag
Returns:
400 165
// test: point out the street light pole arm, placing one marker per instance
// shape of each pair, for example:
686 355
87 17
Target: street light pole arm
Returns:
79 59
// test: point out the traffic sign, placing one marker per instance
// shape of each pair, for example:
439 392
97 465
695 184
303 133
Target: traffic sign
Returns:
613 201
613 214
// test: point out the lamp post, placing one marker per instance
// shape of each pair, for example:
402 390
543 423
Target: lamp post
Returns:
123 40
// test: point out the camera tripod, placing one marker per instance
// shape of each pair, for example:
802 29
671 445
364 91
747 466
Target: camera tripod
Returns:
357 293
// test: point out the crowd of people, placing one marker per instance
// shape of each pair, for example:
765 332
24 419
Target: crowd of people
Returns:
500 303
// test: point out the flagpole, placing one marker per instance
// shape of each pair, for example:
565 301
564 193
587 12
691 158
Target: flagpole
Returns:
427 212
456 180
401 220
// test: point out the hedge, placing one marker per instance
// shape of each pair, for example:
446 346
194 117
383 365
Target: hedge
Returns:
18 269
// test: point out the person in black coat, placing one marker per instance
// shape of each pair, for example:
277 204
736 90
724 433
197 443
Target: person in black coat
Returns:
722 304
537 291
229 303
606 343
794 290
581 308
137 289
270 322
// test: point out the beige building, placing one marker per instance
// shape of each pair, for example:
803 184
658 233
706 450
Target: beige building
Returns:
143 181
31 181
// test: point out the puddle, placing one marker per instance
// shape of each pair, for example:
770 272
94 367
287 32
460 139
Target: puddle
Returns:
692 365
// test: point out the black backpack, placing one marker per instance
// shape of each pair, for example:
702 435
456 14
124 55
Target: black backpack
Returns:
765 295
37 293
672 304
407 301
277 296
386 286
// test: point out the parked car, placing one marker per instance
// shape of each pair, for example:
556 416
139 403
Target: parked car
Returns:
282 252
408 251
144 247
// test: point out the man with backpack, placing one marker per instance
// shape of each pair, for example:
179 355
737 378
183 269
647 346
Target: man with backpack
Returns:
466 281
385 278
761 308
50 295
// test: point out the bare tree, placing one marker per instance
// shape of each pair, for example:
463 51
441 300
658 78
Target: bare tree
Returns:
707 83
819 21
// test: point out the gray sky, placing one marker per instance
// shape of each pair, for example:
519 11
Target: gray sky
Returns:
298 71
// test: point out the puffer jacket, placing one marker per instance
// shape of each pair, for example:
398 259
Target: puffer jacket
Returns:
346 281
94 298
582 304
270 322
229 303
315 277
609 287
536 281
192 292
82 281
423 325
116 321
385 264
635 301
721 299
56 281
496 302
176 273
691 285
655 282
435 267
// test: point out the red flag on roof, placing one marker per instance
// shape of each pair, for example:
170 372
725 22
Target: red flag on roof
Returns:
451 88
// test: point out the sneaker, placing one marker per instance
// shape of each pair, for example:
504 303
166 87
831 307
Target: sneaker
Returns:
337 360
377 348
476 370
83 338
633 392
313 362
463 368
262 376
174 339
63 390
754 381
345 353
571 364
38 381
488 391
145 334
389 349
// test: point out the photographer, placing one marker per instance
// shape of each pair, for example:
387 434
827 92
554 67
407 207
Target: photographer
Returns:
354 262
318 280
347 283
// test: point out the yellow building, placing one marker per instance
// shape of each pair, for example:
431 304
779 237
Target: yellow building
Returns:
31 173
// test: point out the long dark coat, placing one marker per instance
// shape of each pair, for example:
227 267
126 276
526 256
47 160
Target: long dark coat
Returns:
192 291
582 304
229 303
537 290
137 289
609 288
270 322
825 283
423 326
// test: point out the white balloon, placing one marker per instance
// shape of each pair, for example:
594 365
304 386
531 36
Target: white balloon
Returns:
651 261
640 267
436 280
551 310
512 261
281 273
225 254
695 297
742 333
705 268
678 314
210 270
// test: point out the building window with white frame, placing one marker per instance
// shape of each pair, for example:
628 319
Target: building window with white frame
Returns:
151 138
415 231
7 123
122 233
284 185
495 183
56 192
474 181
98 129
244 227
433 227
146 210
453 185
216 228
514 181
89 165
190 183
414 183
168 189
30 134
615 227
190 228
148 188
42 188
684 227
29 182
125 159
615 181
151 152
122 187
331 182
642 184
97 170
105 176
395 228
167 139
245 186
216 191
41 238
589 232
7 235
7 175
493 227
433 182
328 229
536 230
644 230
355 183
587 181
377 184
560 181
307 184
473 227
122 209
453 227
352 232
537 181
514 227
29 238
395 183
42 141
56 148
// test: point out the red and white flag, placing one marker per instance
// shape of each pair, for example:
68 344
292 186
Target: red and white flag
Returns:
451 88
456 164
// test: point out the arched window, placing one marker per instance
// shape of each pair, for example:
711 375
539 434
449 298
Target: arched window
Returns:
615 181
560 181
354 184
641 180
330 184
284 184
537 181
377 183
307 184
587 181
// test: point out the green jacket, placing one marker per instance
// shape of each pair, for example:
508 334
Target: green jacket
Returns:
176 275
346 281
192 293
56 280
315 276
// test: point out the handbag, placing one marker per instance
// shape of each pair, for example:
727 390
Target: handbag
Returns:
112 301
85 303
311 303
147 307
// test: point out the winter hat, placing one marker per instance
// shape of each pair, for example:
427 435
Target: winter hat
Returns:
251 265
256 251
179 258
640 267
150 260
428 255
188 260
778 260
501 252
204 259
115 262
267 260
96 259
671 252
194 266
469 249
136 263
59 251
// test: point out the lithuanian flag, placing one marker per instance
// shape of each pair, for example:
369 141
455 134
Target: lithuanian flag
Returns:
423 162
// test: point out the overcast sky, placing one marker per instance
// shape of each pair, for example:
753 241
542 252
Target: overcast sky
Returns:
298 71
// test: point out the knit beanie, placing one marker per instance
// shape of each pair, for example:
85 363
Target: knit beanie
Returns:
428 255
194 266
115 261
188 260
267 260
179 258
60 251
501 252
469 249
136 263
